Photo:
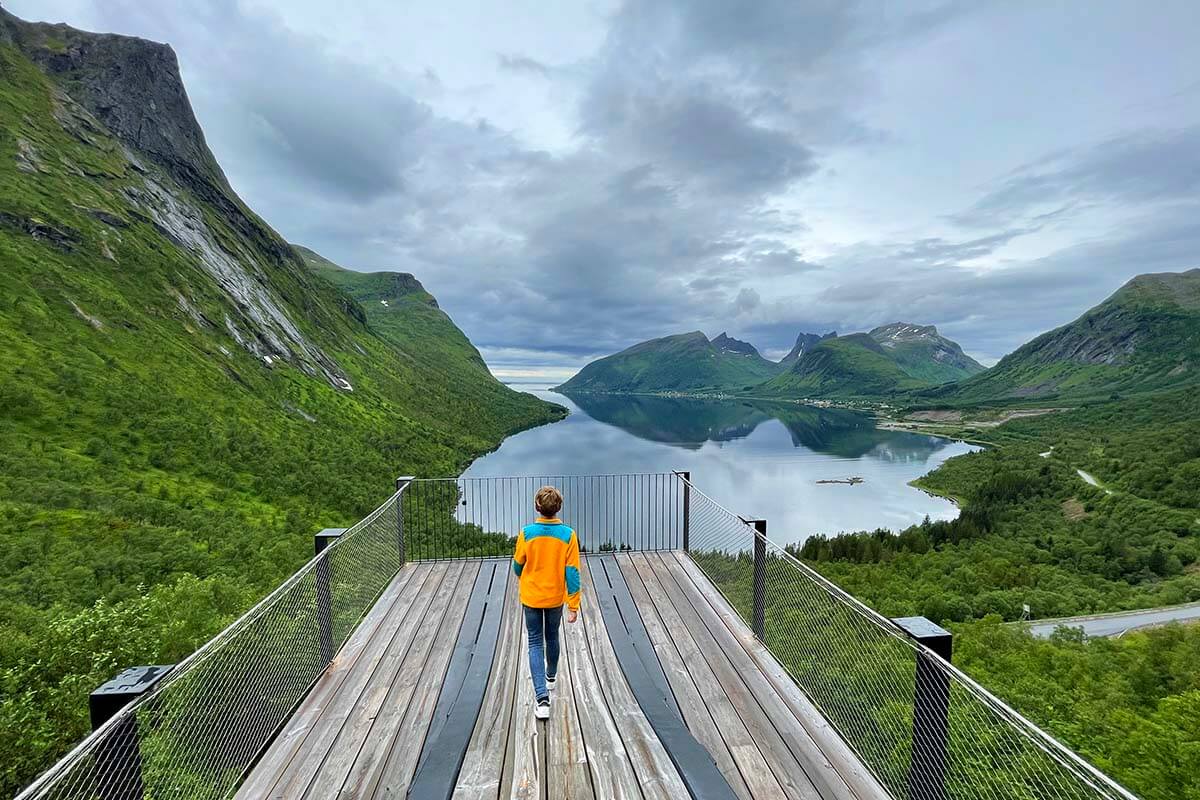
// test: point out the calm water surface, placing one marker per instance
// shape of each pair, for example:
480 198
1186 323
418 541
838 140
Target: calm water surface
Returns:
758 460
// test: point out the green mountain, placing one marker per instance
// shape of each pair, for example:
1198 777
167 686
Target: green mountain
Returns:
804 343
854 365
1145 337
922 353
183 401
686 362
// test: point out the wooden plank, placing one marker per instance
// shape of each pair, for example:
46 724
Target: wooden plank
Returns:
354 744
567 773
734 678
656 773
290 738
349 720
415 691
643 673
322 723
524 738
461 695
842 758
690 691
608 762
483 765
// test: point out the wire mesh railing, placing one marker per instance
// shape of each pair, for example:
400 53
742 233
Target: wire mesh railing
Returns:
922 727
199 731
925 729
480 516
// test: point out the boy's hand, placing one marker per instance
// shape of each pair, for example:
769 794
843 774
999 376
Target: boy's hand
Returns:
572 615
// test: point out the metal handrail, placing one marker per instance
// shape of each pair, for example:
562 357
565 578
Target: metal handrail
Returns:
98 766
1101 785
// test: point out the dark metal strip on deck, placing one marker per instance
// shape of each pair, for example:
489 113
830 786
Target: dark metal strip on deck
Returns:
462 691
649 683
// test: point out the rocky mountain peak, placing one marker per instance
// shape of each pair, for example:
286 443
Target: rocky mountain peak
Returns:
132 86
804 343
896 332
728 344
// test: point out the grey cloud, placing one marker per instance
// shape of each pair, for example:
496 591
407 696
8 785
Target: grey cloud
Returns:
663 211
523 64
937 251
1149 166
746 301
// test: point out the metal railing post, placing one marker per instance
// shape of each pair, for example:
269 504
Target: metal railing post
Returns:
687 508
121 752
401 482
322 577
931 707
760 576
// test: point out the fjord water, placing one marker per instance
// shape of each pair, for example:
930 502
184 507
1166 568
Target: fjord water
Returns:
758 460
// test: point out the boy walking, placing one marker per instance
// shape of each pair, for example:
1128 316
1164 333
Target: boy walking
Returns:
547 563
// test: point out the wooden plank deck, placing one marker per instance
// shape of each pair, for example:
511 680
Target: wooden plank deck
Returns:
363 727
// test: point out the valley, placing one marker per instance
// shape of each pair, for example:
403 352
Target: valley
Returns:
186 397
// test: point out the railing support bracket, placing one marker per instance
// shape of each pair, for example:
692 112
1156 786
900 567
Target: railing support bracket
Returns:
931 707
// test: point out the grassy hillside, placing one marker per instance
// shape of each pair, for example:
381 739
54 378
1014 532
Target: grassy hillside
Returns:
1144 338
922 353
448 373
1032 531
687 362
182 401
847 366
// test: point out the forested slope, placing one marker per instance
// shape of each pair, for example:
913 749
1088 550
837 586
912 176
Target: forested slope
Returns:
182 401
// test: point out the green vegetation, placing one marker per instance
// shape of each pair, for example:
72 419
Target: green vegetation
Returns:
1130 705
854 365
890 360
687 362
157 474
1144 338
1032 531
922 353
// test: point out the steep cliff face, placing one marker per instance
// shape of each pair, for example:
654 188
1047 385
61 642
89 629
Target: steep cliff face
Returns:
1145 337
124 97
131 86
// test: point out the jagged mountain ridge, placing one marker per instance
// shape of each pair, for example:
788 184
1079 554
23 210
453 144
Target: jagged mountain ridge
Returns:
892 358
804 343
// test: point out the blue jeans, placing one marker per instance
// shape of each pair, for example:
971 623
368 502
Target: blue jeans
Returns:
542 626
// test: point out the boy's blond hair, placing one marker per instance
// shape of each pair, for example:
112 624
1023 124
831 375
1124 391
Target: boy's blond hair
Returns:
547 501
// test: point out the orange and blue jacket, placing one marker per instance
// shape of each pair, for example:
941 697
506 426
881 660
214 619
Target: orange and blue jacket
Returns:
547 562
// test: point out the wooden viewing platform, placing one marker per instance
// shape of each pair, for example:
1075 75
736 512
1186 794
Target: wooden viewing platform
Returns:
663 692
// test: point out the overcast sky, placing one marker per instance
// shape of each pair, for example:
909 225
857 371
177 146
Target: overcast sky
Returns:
571 178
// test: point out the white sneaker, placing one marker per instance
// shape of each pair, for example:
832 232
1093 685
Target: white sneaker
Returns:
542 710
551 682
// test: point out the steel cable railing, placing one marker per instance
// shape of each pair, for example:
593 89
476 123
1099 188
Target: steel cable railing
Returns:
481 516
861 670
197 734
199 731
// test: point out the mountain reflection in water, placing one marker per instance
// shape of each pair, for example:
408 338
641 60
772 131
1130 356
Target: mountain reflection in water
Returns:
757 459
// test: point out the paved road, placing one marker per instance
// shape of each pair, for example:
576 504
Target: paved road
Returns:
1117 623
